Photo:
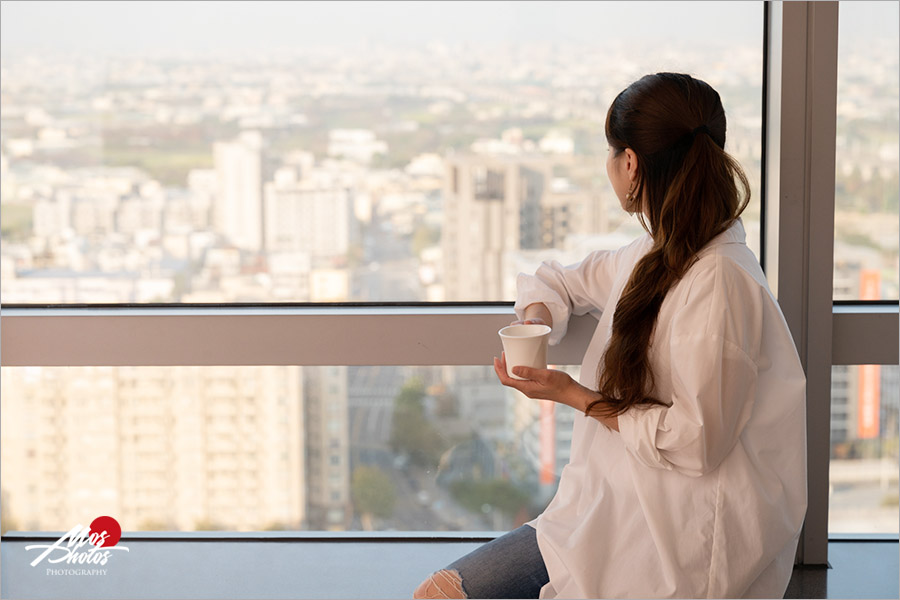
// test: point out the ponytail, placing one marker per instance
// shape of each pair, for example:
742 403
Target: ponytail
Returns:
690 186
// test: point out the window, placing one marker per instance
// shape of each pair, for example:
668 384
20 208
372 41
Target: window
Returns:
864 397
867 185
267 166
450 441
863 494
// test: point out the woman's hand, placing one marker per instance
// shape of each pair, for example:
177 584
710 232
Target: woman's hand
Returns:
550 384
542 384
529 322
536 313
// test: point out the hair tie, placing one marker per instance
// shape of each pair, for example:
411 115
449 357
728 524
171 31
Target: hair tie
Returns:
689 137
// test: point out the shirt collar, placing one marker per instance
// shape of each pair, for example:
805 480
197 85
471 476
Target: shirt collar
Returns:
735 234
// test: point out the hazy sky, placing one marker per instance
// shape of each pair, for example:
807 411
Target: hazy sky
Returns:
136 26
158 25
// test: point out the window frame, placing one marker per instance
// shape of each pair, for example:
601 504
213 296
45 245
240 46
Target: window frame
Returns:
800 136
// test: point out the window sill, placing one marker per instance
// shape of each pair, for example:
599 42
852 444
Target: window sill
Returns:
343 565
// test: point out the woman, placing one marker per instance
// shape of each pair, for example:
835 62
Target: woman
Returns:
687 475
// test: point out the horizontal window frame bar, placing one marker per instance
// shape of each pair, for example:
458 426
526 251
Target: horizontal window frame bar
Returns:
360 335
867 303
345 536
275 536
250 305
262 308
327 306
351 336
865 334
863 537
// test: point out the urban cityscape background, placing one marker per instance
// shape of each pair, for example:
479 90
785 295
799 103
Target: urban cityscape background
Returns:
419 168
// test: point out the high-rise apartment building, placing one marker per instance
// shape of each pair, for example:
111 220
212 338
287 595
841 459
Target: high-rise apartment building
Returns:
238 207
495 205
487 205
155 447
327 448
312 214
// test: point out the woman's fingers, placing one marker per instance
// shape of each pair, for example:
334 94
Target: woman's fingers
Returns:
532 389
500 369
529 322
524 372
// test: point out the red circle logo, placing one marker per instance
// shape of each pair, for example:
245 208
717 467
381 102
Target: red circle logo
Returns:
108 525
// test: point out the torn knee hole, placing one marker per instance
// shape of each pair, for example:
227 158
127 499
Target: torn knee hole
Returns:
441 584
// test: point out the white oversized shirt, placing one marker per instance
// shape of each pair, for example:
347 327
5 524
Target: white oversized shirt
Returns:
704 497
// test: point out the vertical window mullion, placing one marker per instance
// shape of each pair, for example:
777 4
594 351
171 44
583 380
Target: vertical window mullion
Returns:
802 81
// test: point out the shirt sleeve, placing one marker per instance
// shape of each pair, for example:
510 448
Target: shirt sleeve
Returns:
575 289
714 386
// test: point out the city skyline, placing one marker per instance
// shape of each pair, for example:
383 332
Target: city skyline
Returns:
148 157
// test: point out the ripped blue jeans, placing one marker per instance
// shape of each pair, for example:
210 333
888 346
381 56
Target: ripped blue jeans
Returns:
509 566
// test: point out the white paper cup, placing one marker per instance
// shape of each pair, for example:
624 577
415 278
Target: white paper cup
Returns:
525 346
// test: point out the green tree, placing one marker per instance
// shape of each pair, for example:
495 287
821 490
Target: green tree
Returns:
373 494
423 237
15 221
411 432
501 494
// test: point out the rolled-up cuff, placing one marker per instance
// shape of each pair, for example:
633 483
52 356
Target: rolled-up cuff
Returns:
532 290
638 427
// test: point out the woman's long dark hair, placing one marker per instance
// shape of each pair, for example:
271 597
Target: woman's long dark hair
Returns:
675 124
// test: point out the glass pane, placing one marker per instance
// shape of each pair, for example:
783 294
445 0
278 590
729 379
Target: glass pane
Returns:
275 448
252 158
866 221
864 449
